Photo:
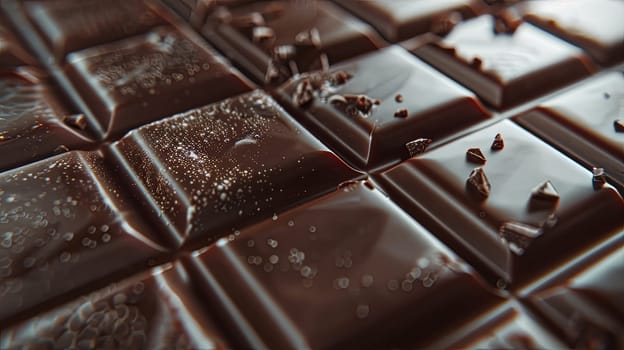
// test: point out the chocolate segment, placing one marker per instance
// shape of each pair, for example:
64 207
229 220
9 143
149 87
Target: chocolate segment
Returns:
596 26
508 68
306 35
212 170
153 310
351 254
147 77
376 137
585 304
506 233
398 20
580 122
31 121
65 224
68 25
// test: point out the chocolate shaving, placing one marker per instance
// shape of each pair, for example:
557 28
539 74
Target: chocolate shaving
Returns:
518 236
474 155
479 183
76 120
618 125
304 93
417 146
401 113
498 143
598 178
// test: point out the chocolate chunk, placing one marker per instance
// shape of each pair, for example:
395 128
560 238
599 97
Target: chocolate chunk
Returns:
344 250
498 143
417 146
580 122
432 188
505 70
400 20
545 192
65 224
504 24
76 120
213 169
319 32
475 155
376 136
401 113
147 77
478 182
357 105
598 178
31 121
518 235
135 313
595 26
618 125
69 26
304 94
264 36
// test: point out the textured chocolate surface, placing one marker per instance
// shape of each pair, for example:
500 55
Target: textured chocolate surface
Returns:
32 120
434 106
596 26
352 255
68 25
65 223
148 77
582 122
340 36
508 227
211 170
402 19
153 310
505 69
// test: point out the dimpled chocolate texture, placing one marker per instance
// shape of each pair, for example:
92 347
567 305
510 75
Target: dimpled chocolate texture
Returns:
147 77
152 310
534 198
349 270
68 25
435 105
503 68
582 122
210 170
31 121
64 224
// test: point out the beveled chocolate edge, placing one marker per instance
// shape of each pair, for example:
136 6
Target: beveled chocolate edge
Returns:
572 144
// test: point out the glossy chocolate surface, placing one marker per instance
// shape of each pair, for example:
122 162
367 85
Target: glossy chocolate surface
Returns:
340 36
148 77
398 20
586 307
211 170
32 120
12 54
68 25
505 69
510 227
152 310
581 123
435 106
64 224
595 25
509 326
352 255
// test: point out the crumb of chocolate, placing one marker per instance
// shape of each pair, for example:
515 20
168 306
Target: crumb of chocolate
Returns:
618 125
304 93
398 98
401 113
76 120
518 236
598 178
498 143
262 34
417 146
476 62
479 183
474 155
545 192
309 38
